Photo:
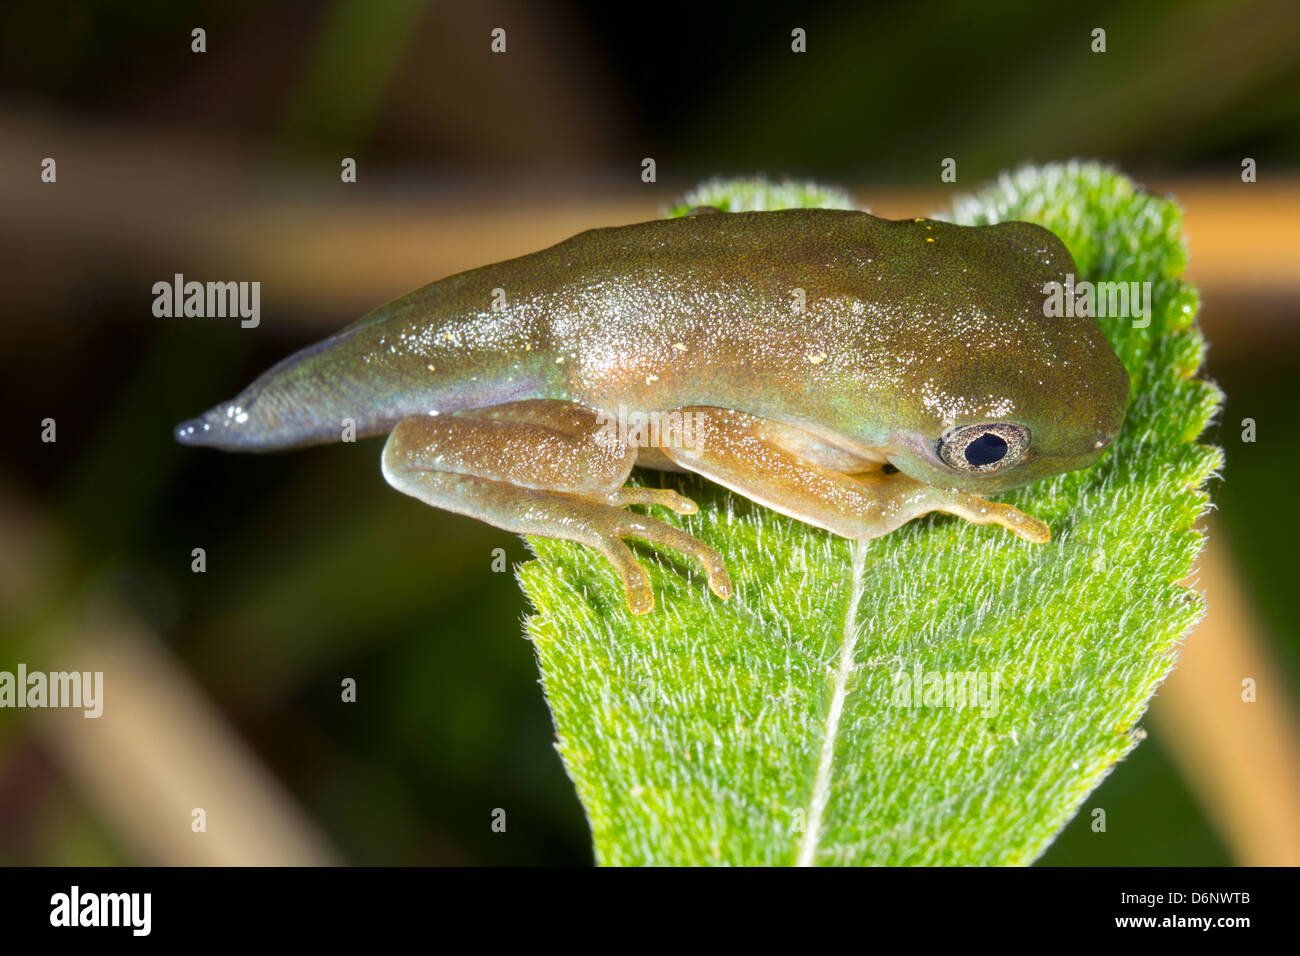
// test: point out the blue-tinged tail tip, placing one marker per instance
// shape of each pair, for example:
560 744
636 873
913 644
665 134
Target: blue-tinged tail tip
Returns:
233 426
196 431
225 426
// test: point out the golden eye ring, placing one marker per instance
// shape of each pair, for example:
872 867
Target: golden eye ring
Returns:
983 449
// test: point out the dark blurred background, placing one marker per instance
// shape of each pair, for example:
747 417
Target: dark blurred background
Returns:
224 687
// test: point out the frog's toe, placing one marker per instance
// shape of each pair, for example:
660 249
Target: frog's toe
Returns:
979 510
1015 520
662 497
627 525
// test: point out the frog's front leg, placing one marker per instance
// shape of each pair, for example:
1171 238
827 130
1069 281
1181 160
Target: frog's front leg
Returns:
542 467
764 461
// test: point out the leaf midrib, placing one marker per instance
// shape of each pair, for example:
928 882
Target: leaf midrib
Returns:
820 794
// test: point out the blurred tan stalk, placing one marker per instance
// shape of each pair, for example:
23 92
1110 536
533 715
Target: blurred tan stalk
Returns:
161 749
1241 759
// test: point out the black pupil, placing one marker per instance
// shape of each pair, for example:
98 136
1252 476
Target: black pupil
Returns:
986 449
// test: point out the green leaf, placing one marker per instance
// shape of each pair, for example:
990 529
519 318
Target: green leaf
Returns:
757 194
772 729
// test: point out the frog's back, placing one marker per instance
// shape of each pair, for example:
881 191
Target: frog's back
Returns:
805 315
801 315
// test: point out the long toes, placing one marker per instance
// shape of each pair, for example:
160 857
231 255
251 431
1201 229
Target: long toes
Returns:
720 583
656 532
606 529
662 497
636 583
980 511
711 561
640 596
1015 520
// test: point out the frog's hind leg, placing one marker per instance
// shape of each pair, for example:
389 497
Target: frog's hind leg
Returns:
765 461
548 468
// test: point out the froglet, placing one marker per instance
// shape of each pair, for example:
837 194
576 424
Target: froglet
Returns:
847 371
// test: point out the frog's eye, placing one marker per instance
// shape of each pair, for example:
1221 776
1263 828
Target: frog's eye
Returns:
980 449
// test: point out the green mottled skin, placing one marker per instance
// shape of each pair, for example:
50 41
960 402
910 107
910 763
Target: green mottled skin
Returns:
814 346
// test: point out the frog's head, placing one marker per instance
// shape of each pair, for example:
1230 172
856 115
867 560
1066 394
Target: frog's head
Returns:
1007 394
